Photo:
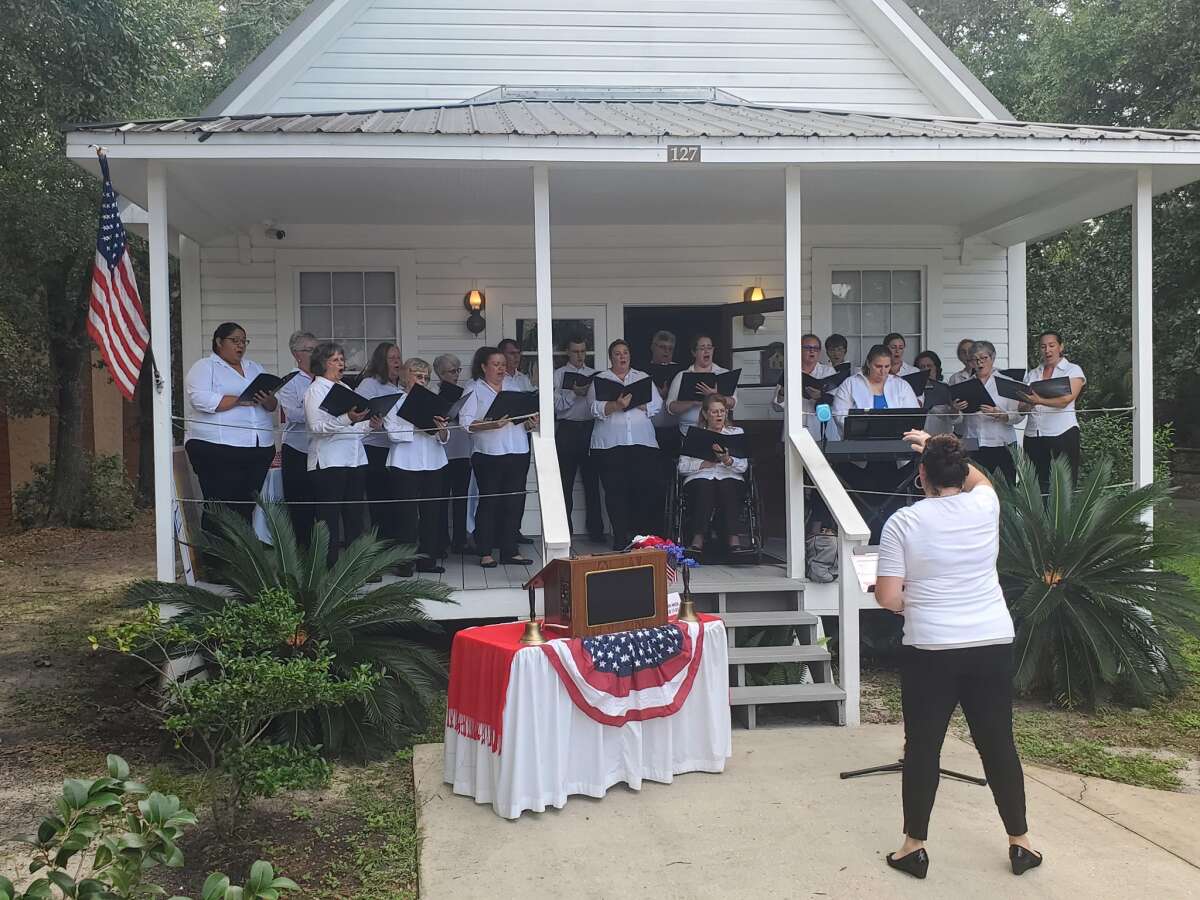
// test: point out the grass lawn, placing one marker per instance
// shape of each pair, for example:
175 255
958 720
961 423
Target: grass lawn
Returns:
1157 747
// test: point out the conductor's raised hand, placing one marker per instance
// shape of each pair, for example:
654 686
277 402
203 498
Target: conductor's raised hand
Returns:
916 438
357 415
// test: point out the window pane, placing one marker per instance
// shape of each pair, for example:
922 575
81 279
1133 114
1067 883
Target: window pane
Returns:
348 287
876 286
381 322
854 352
906 318
380 287
317 320
348 322
847 286
876 318
906 285
845 318
356 355
314 287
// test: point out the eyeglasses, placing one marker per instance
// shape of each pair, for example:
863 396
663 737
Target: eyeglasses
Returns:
454 371
238 342
811 347
981 358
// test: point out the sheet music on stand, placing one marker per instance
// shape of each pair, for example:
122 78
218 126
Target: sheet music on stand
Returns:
866 566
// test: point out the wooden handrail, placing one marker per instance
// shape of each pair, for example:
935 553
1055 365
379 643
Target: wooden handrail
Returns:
849 520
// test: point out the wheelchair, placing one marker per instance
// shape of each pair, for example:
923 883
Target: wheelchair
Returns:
750 520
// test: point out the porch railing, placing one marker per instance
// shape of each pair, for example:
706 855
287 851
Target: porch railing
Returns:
852 533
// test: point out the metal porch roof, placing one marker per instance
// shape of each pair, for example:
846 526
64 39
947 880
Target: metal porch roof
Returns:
631 118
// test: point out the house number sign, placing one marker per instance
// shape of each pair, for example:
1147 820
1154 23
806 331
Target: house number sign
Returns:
683 153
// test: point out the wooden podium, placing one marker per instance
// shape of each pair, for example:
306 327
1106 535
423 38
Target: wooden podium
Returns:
608 592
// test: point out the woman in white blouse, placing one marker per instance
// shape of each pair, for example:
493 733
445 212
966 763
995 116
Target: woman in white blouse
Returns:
626 451
499 459
448 368
230 442
1053 428
297 487
714 487
942 417
688 408
416 468
992 426
337 462
896 346
381 377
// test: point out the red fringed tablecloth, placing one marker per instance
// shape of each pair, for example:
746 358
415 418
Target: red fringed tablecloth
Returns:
480 664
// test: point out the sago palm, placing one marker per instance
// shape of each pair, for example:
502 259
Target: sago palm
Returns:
1093 610
360 625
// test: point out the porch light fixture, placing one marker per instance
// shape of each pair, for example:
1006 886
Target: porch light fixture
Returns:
475 302
754 294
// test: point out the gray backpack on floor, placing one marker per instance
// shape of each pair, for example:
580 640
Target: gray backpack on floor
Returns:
821 558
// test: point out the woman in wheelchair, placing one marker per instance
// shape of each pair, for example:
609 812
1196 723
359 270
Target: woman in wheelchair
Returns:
714 487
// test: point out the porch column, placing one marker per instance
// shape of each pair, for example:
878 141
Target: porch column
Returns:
793 377
1143 338
545 323
160 347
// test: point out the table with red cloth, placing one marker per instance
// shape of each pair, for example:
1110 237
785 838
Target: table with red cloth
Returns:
528 726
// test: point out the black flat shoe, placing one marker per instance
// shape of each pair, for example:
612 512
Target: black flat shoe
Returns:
915 864
430 569
1023 860
517 561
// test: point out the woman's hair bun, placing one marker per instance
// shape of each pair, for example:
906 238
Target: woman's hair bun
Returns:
945 462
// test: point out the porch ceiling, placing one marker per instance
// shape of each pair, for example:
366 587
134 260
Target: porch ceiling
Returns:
1004 203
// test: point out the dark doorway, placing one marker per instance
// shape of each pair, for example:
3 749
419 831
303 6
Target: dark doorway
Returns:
641 322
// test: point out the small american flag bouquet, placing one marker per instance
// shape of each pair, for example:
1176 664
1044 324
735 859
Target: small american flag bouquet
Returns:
676 556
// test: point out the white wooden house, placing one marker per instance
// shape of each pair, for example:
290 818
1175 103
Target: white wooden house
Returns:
589 160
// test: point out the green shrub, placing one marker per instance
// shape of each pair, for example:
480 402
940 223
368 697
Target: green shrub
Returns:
1110 436
104 500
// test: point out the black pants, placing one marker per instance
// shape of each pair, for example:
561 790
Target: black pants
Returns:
997 459
932 684
574 442
298 493
457 483
378 487
1041 450
497 519
229 475
629 475
420 524
722 496
338 490
669 443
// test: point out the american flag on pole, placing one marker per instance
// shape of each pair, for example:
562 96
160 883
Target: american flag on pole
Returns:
115 318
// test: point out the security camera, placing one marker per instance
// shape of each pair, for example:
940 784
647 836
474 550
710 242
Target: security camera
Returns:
278 233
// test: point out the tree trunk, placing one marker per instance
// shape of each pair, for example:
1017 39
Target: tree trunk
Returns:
70 359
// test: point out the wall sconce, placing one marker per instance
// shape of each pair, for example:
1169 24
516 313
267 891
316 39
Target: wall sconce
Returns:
474 301
754 294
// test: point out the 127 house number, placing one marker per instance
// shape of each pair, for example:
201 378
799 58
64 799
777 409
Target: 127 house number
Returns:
683 153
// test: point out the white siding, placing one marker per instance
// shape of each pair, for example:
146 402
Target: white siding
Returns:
975 304
395 53
232 291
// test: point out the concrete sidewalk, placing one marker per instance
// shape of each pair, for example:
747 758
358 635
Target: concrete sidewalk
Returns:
780 823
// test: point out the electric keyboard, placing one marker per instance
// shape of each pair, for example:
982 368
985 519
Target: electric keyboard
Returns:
878 451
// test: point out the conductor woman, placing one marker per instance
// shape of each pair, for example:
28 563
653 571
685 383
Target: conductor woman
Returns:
937 569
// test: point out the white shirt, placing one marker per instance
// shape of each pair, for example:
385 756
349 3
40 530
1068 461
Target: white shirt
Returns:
291 403
906 369
332 440
986 430
459 445
568 405
210 380
371 388
689 466
624 428
512 438
521 381
855 393
412 450
1045 422
961 375
692 416
664 418
945 549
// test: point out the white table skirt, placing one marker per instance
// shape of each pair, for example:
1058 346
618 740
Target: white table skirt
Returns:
552 749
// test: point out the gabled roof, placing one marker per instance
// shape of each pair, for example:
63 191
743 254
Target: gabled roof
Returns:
633 118
898 30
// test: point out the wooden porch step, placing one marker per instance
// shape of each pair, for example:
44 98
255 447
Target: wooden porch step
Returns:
806 653
785 693
773 617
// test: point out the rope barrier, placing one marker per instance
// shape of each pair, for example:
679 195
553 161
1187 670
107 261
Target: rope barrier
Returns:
359 502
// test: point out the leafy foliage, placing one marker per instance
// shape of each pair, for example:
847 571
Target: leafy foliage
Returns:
1110 436
359 626
132 831
103 499
1094 613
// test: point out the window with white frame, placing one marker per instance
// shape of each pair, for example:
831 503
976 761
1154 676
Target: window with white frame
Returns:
356 308
868 304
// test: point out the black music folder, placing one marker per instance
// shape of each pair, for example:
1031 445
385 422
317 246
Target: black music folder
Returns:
340 400
451 392
937 393
1014 374
917 381
826 385
607 389
1048 389
1012 389
881 424
513 404
382 405
725 383
572 380
698 443
421 405
973 391
265 382
664 373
